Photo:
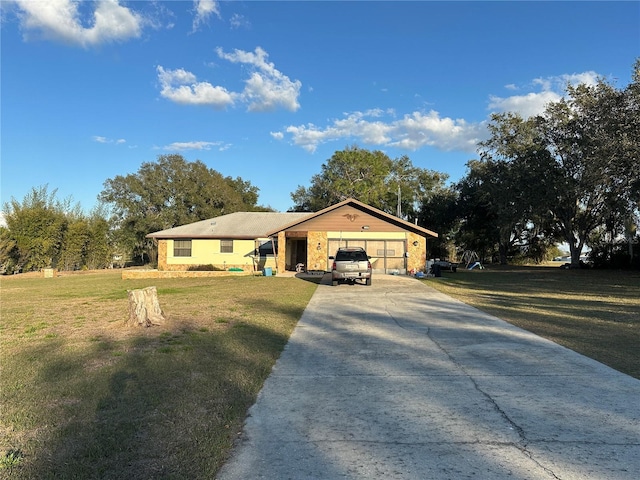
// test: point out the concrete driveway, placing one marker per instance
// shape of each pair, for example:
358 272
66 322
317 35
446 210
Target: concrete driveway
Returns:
397 381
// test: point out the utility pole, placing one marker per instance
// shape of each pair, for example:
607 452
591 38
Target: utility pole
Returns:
399 209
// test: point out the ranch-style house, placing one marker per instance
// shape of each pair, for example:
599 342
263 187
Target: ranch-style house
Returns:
293 241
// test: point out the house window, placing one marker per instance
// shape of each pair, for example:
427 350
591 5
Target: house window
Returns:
182 248
265 248
226 246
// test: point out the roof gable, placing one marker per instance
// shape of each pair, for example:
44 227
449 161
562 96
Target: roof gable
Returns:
352 215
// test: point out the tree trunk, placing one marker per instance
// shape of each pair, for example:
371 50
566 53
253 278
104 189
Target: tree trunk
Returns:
144 308
503 249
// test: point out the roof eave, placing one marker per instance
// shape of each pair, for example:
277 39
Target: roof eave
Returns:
212 237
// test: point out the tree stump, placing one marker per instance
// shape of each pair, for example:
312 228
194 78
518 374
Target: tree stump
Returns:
144 308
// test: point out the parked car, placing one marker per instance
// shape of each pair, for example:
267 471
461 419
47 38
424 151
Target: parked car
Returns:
444 265
351 264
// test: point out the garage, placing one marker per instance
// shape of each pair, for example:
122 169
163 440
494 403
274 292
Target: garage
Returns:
394 245
387 256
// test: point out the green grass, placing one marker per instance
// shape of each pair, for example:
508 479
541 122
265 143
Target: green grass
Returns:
83 396
593 312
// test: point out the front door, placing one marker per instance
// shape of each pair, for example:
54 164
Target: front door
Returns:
301 252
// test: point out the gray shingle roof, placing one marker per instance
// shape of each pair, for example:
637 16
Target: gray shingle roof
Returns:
234 225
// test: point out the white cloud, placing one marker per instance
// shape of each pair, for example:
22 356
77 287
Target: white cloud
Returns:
266 89
204 9
101 139
277 135
195 93
419 129
551 89
526 105
589 78
238 21
559 83
199 145
411 132
3 220
60 20
170 77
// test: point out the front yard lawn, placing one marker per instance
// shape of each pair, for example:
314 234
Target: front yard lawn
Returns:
85 397
593 312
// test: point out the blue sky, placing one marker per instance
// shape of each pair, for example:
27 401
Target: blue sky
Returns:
268 91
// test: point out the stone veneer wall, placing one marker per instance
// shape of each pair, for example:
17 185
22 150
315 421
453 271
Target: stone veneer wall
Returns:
139 274
317 259
162 254
281 261
417 260
181 267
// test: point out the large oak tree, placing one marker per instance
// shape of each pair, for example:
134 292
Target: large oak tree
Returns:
570 174
392 185
171 192
593 135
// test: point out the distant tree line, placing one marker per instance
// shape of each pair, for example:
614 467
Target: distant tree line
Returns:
570 175
43 231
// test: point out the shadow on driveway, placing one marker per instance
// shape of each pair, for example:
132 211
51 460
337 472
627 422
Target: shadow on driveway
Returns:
397 380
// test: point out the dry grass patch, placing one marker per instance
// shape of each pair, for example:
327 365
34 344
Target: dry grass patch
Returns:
593 312
84 396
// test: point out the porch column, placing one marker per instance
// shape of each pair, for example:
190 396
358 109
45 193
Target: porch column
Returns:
317 257
162 255
282 253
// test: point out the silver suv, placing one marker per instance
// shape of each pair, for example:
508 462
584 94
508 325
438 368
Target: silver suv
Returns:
350 264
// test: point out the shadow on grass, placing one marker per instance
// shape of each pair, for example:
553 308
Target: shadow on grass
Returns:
168 406
596 313
318 277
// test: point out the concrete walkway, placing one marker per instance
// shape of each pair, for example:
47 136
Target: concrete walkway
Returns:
397 381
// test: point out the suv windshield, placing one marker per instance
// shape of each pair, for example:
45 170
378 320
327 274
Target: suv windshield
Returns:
353 256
